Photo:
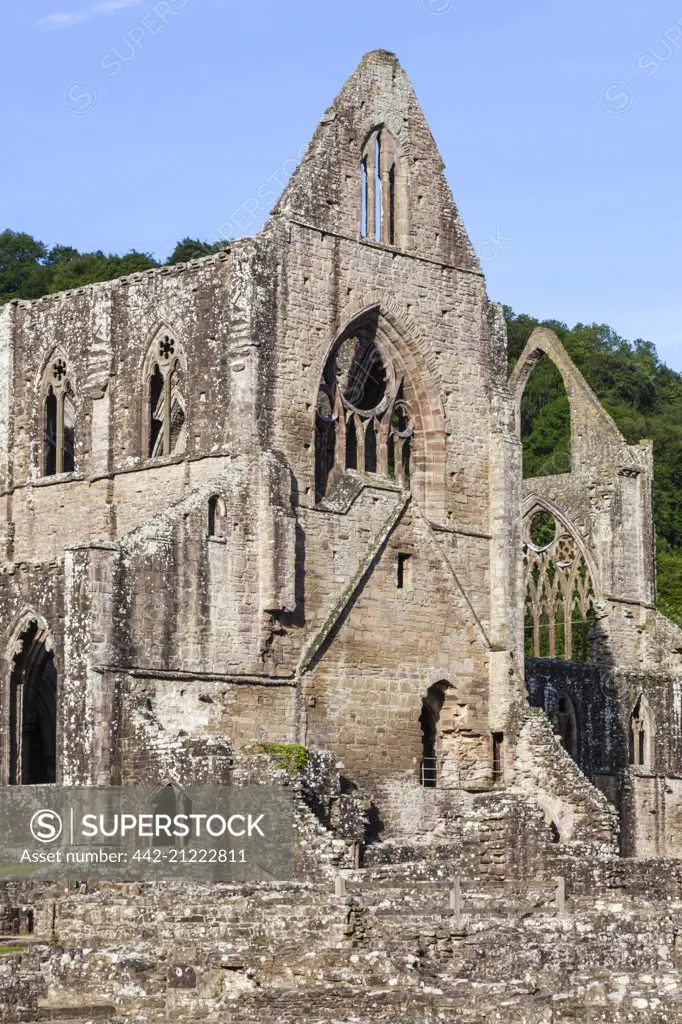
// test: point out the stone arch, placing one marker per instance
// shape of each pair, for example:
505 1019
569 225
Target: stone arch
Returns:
560 592
217 513
164 413
587 414
57 413
554 454
401 347
641 734
31 718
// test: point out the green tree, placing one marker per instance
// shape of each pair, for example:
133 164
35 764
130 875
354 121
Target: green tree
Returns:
643 396
192 249
21 266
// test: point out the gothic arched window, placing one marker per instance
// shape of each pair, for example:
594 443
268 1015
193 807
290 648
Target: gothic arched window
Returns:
382 192
59 420
560 601
362 420
166 430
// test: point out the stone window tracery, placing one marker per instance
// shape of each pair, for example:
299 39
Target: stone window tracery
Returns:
362 420
166 432
380 168
560 598
59 419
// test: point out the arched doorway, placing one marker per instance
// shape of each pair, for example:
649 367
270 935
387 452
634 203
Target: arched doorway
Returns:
33 711
430 722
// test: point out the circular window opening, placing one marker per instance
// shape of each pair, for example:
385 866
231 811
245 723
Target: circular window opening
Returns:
360 373
542 530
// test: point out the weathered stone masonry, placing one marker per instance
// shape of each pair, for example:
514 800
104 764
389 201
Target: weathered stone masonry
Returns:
276 495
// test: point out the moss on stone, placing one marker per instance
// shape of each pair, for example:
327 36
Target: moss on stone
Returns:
292 757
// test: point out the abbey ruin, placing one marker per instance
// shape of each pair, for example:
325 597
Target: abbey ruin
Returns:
275 495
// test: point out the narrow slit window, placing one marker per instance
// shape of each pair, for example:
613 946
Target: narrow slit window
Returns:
391 206
403 563
363 213
50 463
377 193
498 756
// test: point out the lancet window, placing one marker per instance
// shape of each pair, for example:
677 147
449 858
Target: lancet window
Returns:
59 419
166 431
381 175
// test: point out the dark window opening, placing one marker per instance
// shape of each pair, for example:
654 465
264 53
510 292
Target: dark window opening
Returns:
403 560
351 445
498 757
33 714
429 721
370 448
155 410
391 206
212 509
50 435
363 215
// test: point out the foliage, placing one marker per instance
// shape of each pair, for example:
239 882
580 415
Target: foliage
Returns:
28 269
292 757
192 249
546 423
643 396
542 529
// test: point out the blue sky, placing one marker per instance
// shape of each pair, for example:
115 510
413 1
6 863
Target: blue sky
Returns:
132 123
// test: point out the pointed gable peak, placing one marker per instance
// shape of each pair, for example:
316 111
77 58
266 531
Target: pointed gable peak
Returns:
373 172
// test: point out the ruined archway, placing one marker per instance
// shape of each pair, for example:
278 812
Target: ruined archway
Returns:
545 421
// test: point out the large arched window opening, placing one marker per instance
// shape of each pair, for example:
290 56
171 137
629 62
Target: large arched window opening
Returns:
545 422
383 203
165 413
59 419
362 419
33 711
559 593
